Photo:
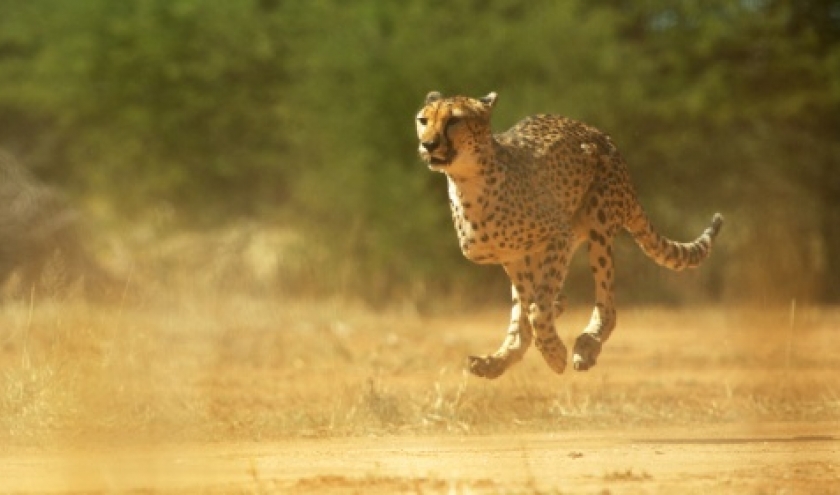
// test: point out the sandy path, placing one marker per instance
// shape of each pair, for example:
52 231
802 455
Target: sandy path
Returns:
760 393
766 458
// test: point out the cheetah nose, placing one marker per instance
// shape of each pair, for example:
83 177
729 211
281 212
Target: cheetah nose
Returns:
430 145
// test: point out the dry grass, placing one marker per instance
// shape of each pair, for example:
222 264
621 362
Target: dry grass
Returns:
235 368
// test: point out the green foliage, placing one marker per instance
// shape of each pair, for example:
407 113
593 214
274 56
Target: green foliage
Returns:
301 113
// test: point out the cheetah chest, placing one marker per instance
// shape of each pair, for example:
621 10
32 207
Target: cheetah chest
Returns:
494 226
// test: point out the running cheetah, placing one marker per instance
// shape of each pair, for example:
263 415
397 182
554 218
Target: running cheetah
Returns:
526 199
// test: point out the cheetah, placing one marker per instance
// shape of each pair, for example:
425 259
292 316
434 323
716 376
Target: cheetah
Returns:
526 199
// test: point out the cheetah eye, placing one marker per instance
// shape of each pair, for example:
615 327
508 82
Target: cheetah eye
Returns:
422 120
453 121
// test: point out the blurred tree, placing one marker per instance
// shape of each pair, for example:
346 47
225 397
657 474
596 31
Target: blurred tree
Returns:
191 93
177 101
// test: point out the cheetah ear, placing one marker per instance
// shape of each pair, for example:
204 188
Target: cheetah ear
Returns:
433 97
489 100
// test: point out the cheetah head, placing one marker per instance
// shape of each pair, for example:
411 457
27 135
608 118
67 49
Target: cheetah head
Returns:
449 128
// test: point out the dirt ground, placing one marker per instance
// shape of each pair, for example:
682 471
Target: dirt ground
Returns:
766 458
247 398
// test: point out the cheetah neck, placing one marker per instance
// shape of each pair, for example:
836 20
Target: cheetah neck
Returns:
474 184
468 203
474 218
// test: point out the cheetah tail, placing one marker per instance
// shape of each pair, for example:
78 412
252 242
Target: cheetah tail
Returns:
672 254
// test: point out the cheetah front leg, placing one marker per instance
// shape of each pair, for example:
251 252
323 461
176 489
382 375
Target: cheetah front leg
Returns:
537 282
547 279
516 343
589 342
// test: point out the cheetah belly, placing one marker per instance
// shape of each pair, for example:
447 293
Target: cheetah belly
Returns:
489 255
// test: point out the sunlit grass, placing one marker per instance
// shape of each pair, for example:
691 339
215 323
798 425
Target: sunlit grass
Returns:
232 368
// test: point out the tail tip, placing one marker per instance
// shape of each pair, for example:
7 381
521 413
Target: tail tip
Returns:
717 223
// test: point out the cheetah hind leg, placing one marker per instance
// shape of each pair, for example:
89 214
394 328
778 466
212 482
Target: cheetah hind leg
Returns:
560 303
589 342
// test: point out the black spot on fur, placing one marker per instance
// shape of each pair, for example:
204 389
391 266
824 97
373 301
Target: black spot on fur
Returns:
602 217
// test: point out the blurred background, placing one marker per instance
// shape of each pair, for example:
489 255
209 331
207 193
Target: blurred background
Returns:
269 145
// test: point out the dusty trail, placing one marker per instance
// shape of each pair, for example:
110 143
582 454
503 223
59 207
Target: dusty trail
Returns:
765 458
254 398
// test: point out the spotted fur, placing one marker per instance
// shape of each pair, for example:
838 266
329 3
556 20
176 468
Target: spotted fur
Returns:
526 199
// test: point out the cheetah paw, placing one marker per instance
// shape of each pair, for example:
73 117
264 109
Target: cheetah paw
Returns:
486 366
587 349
